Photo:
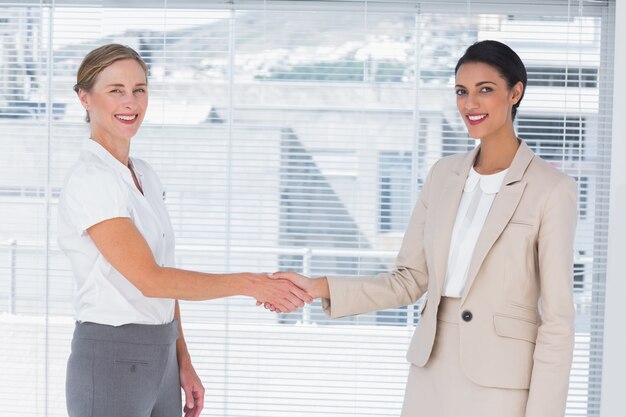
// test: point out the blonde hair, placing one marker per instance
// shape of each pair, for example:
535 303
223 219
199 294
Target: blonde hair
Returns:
99 59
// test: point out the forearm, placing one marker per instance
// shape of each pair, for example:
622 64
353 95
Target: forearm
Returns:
121 243
182 284
182 353
350 296
403 286
189 285
189 380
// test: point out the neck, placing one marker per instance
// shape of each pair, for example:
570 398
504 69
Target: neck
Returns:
119 148
496 153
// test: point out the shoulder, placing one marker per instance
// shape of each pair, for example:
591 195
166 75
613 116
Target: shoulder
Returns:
442 169
547 176
449 163
89 174
90 177
551 190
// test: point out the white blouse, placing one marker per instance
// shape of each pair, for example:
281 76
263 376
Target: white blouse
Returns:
99 187
478 195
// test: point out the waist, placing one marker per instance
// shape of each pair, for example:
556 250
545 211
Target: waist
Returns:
153 334
117 302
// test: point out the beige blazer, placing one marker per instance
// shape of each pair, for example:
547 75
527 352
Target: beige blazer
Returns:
519 288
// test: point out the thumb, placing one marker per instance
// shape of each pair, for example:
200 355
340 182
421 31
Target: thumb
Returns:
189 401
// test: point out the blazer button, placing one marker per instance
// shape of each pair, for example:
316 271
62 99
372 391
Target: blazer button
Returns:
467 315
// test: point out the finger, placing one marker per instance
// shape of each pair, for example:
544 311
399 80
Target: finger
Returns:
280 307
196 410
287 305
271 307
301 294
200 400
290 299
189 402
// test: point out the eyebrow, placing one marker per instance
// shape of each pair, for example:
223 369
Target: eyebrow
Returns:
122 85
477 84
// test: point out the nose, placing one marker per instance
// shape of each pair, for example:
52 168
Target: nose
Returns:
129 101
471 102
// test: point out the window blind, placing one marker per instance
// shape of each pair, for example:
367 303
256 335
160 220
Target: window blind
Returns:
288 135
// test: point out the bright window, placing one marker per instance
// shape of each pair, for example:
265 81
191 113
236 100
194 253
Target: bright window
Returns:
288 135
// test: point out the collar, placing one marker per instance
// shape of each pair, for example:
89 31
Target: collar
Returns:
515 172
105 156
489 184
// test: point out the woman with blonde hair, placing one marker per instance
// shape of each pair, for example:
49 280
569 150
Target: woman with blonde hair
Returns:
129 357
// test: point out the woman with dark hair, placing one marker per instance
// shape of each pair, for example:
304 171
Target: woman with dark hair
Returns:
491 244
129 357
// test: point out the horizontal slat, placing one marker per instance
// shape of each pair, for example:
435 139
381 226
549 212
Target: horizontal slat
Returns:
288 135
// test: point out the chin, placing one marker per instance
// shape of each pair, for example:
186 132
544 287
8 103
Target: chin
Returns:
473 135
128 135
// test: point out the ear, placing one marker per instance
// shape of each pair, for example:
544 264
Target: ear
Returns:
84 98
516 92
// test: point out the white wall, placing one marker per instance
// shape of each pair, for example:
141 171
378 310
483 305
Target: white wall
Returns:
614 365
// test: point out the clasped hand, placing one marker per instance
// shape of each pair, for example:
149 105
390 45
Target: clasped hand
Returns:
293 291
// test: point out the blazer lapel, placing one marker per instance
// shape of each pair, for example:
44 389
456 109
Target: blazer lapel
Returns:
501 211
446 208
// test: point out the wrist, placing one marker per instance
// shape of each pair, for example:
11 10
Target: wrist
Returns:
184 360
246 284
321 287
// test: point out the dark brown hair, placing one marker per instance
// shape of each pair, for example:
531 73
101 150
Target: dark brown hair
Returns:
503 59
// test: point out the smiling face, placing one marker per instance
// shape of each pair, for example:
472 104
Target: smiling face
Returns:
485 100
117 102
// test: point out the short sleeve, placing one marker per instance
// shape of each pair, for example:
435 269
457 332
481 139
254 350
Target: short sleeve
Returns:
92 195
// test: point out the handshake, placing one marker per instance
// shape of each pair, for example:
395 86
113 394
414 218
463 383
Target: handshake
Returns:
284 292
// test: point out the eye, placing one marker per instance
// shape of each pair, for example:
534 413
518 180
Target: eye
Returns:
460 92
139 90
115 90
486 90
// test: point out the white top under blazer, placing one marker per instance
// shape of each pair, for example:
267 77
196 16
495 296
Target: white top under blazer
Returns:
97 188
478 195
